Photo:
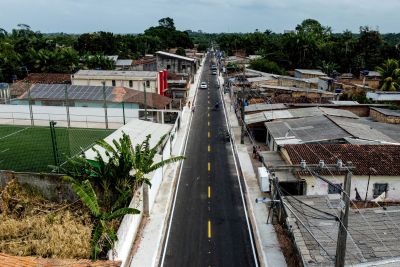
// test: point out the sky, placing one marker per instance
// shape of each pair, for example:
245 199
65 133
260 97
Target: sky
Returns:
134 16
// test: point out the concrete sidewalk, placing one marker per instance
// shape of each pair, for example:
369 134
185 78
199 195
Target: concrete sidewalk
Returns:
267 244
149 244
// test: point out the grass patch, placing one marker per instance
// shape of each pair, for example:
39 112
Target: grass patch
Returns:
26 148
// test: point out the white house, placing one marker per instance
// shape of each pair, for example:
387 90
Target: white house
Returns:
129 79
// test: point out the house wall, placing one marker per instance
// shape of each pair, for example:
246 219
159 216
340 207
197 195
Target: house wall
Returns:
318 187
137 83
288 82
376 115
298 74
175 65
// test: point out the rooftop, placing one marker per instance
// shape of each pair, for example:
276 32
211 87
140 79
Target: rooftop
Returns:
175 56
137 131
310 72
56 92
384 159
305 130
372 233
48 78
388 112
116 73
363 129
124 62
263 107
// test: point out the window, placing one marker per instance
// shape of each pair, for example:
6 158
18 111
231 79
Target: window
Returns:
380 188
147 83
334 189
113 82
183 67
168 67
131 83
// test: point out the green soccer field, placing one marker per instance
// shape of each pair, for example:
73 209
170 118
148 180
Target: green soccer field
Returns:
26 148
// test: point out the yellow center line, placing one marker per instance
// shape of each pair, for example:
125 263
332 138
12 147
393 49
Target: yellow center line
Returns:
208 123
209 191
209 229
209 134
209 148
209 166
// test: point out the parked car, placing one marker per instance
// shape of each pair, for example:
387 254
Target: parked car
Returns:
203 85
214 72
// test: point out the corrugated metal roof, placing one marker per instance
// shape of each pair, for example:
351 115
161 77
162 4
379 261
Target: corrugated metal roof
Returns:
311 72
343 102
175 56
306 129
263 107
360 130
137 131
338 112
124 62
254 118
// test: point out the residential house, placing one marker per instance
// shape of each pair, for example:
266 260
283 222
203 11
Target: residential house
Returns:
148 63
376 168
175 63
91 96
123 64
137 80
384 96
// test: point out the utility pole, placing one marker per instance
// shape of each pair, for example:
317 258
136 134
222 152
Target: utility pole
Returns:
344 219
145 101
242 106
105 104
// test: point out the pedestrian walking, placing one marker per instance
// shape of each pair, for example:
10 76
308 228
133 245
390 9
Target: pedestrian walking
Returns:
189 104
193 109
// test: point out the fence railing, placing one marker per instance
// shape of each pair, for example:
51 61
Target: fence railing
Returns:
79 117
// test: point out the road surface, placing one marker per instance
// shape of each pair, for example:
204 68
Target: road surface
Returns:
208 225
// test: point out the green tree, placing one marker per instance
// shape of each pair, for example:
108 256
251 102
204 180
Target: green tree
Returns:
265 65
167 23
390 72
180 51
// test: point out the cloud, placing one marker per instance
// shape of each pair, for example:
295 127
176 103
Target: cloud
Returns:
209 15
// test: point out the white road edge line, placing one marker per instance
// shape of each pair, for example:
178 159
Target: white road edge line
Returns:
179 177
11 134
237 172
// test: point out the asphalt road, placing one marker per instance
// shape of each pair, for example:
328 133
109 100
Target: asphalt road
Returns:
208 225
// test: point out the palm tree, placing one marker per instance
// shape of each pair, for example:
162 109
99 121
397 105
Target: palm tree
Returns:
103 234
390 72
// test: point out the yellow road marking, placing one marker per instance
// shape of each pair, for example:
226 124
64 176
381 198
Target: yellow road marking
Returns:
209 191
209 134
209 166
209 148
208 123
209 229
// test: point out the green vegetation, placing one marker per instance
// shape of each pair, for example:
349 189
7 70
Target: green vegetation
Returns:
23 50
390 72
265 65
116 174
26 148
313 45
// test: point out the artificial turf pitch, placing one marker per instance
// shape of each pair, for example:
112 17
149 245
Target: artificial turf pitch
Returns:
30 149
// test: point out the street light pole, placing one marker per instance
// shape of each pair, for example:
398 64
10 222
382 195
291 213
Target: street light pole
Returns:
145 101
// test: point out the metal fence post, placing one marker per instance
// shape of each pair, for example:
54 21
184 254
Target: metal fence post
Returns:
30 106
67 105
105 104
123 112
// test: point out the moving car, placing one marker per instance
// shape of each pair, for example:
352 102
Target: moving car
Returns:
203 85
214 72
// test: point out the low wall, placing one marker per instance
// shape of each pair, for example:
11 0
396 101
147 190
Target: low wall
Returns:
50 186
378 116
